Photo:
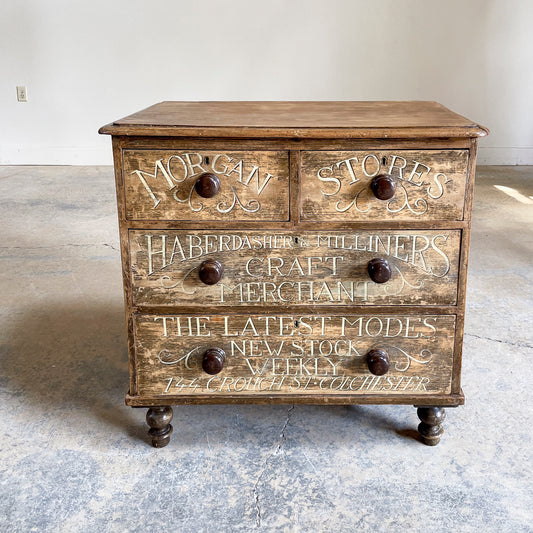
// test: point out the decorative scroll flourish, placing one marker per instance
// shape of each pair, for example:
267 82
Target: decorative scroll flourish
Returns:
353 203
251 207
165 357
223 207
394 205
418 284
188 200
180 284
420 203
423 358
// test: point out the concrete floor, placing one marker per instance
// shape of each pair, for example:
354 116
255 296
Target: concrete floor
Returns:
73 458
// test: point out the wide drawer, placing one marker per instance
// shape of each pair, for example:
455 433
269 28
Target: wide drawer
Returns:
294 268
336 186
160 185
293 354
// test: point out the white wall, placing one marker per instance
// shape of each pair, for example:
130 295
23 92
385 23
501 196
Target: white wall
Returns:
86 63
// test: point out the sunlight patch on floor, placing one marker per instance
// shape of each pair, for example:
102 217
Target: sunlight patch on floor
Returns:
513 193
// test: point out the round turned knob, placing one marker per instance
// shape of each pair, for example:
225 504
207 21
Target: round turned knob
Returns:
207 185
210 272
213 361
378 362
379 270
383 186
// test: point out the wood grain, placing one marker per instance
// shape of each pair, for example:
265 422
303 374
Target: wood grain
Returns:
135 142
294 268
124 253
463 267
447 400
430 185
160 185
311 354
297 119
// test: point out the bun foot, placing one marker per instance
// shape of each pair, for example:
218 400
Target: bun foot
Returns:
430 428
159 418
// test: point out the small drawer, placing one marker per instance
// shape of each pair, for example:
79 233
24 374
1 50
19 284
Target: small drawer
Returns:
238 268
228 355
377 185
206 185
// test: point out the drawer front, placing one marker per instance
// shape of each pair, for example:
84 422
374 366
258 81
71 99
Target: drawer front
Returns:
429 185
160 185
284 268
297 354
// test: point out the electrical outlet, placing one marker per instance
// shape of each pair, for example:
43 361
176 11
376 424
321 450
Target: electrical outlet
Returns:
22 94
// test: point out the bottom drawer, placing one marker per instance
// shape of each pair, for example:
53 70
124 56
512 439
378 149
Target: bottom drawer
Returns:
300 355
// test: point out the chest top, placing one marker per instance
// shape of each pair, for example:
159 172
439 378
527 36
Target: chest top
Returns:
297 120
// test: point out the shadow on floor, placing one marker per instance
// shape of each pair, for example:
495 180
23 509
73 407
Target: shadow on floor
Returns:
68 357
75 358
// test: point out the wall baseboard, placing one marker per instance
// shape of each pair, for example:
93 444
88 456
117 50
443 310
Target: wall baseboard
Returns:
42 154
504 156
37 154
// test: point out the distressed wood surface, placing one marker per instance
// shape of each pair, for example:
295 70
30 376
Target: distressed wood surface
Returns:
430 185
442 400
298 120
366 128
294 268
463 268
280 354
160 185
304 226
135 142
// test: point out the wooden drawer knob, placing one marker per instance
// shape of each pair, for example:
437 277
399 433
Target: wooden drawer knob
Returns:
207 185
378 362
379 270
213 360
211 272
383 186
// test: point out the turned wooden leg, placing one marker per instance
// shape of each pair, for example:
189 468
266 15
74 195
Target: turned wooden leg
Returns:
430 428
159 418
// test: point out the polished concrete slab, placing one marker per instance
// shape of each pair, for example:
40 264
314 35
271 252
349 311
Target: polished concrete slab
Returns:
73 458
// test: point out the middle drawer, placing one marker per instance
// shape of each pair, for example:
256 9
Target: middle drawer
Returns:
243 268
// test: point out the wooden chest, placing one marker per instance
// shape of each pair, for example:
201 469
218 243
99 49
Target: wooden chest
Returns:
295 252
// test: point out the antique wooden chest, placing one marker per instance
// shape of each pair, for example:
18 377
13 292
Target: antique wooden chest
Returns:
295 252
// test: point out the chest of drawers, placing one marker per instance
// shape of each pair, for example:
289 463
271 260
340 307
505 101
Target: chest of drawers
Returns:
294 252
